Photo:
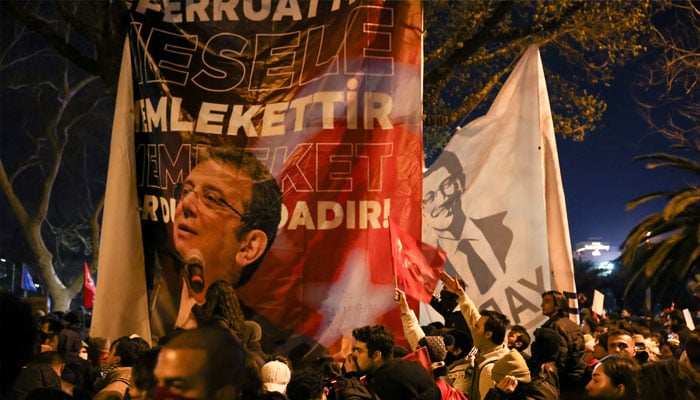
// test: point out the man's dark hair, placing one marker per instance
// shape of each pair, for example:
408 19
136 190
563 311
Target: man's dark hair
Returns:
129 349
377 338
561 304
497 324
224 355
677 315
523 336
305 384
142 372
615 333
264 210
592 323
49 358
546 346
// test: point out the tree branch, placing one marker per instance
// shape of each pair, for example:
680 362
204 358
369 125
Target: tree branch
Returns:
470 46
50 35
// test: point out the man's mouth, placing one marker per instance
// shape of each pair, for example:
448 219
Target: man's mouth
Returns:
185 228
441 212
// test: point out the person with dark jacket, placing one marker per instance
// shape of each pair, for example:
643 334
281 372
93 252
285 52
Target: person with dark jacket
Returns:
77 371
399 379
44 371
570 362
446 305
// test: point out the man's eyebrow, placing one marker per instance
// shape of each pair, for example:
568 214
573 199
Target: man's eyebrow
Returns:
211 187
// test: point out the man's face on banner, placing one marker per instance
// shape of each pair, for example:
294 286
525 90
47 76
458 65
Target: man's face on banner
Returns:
441 204
207 219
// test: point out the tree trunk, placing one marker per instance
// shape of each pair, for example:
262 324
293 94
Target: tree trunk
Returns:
61 295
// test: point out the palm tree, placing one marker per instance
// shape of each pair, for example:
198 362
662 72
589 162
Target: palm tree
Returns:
662 251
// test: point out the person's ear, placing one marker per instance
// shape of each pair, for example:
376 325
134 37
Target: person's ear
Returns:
621 390
377 356
488 335
252 247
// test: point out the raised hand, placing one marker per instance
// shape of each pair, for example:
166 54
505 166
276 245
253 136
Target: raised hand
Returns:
400 299
451 283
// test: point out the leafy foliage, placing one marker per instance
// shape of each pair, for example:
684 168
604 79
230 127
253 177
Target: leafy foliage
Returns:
664 248
472 46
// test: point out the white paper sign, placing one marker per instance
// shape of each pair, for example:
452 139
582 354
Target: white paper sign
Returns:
598 300
688 319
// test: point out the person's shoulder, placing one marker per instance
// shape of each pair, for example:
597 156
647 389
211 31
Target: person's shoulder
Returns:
353 389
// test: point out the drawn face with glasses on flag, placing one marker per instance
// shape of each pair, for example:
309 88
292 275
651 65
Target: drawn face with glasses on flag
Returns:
442 208
227 213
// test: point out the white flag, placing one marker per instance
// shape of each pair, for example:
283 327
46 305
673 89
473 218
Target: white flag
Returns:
121 303
493 201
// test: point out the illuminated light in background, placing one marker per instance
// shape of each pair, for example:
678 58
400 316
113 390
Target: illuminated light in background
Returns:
606 268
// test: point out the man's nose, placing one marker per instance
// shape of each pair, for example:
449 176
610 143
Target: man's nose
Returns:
189 204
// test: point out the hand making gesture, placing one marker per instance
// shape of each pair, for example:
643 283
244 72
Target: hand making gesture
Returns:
452 284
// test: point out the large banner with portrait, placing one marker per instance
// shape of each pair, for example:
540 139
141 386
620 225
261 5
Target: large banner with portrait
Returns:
494 202
326 98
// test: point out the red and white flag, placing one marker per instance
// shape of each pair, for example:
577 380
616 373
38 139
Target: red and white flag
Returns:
417 265
494 202
327 96
88 287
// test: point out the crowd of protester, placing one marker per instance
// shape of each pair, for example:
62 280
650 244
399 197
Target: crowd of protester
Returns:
474 354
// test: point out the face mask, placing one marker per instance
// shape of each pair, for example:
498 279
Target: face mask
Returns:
84 356
163 393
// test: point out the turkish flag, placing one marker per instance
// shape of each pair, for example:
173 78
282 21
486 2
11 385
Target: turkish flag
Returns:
417 265
421 356
88 288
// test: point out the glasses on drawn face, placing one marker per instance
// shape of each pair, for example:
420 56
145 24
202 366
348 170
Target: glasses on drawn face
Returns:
448 188
210 198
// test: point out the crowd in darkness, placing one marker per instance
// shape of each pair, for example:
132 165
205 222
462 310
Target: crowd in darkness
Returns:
474 354
226 218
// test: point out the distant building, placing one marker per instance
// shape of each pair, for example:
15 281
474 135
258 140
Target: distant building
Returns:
600 253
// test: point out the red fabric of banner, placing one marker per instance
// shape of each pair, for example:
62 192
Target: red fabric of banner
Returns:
88 288
417 265
420 356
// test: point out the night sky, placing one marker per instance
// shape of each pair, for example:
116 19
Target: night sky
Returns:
600 175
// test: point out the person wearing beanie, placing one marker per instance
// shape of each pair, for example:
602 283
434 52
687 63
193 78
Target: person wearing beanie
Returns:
512 364
250 337
435 345
512 382
275 376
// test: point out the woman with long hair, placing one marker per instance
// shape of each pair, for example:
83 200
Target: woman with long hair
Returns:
615 377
